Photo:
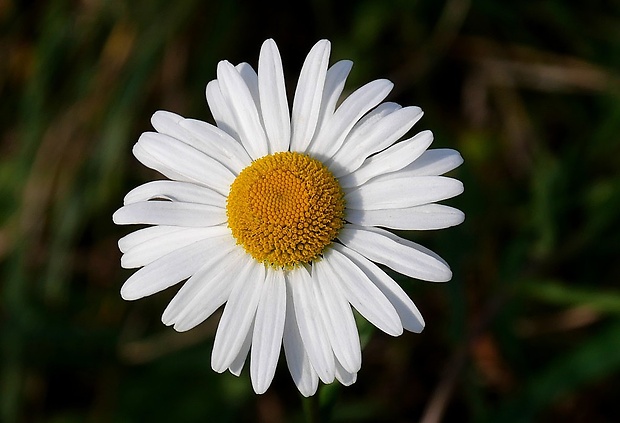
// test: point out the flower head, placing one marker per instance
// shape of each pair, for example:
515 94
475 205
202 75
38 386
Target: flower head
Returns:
281 216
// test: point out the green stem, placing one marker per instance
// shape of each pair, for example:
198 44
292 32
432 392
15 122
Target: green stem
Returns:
311 408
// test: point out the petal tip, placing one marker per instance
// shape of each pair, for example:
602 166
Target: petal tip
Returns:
269 42
117 217
128 295
444 276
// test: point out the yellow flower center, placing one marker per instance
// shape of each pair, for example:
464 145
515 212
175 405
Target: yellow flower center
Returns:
285 208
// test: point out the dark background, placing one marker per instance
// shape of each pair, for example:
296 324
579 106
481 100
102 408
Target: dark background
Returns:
527 91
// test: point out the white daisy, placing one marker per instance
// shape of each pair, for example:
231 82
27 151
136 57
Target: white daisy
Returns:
279 215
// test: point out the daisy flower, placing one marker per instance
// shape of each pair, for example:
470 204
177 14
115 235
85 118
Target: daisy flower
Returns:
280 215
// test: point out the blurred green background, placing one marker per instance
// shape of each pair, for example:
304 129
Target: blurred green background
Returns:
527 91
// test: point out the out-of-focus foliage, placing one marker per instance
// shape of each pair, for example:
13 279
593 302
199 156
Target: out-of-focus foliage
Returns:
528 91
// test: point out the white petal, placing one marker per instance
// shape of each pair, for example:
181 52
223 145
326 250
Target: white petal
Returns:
222 146
151 250
374 116
237 365
311 325
389 160
164 153
167 123
220 110
337 315
350 111
362 293
400 191
250 77
170 269
343 376
297 360
153 162
407 311
358 146
133 239
272 91
238 315
402 255
308 95
268 330
204 137
243 109
183 192
425 217
206 290
434 162
334 84
170 213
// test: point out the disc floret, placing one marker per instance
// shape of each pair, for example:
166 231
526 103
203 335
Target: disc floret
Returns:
285 208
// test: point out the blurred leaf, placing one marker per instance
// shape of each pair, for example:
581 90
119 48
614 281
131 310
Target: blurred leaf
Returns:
588 363
556 292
